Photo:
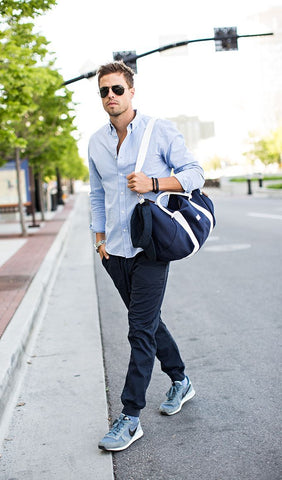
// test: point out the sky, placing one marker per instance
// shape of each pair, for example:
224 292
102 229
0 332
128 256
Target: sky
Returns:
84 33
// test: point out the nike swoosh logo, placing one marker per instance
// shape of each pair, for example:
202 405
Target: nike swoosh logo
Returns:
132 432
183 395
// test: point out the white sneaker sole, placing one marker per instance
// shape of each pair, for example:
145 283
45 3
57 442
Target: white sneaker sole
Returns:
139 433
190 394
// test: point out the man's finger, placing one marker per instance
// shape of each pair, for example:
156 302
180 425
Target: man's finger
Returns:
130 176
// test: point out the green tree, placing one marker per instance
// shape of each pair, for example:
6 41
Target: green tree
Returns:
36 113
48 129
267 149
19 52
18 9
73 165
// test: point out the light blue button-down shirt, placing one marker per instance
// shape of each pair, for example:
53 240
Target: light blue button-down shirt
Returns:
112 202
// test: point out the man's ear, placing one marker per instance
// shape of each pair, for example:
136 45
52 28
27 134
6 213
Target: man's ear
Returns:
132 90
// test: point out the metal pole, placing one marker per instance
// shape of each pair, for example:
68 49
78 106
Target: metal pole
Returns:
133 58
249 183
260 180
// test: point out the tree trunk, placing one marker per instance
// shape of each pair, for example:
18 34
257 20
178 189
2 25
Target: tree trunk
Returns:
71 186
18 170
32 194
41 196
60 200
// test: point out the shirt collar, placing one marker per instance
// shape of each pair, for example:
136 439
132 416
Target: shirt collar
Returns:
136 120
132 125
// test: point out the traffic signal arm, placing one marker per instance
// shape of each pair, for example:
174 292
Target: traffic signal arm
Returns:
131 59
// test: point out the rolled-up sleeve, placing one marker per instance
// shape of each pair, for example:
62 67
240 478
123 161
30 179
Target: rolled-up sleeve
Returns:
97 199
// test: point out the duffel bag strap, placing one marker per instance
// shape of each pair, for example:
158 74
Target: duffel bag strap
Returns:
144 145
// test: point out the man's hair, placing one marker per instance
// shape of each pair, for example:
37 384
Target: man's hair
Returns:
117 67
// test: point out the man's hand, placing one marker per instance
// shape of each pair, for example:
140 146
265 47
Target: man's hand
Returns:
139 182
102 249
102 252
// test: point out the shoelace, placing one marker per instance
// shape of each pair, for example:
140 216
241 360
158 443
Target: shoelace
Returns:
172 391
117 426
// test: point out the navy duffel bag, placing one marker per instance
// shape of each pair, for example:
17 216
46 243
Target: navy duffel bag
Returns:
175 231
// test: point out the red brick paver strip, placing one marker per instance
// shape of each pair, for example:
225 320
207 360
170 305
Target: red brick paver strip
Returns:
18 272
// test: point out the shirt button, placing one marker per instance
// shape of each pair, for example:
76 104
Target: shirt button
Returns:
122 193
124 229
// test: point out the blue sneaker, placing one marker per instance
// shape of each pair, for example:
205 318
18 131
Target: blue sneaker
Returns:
122 434
176 397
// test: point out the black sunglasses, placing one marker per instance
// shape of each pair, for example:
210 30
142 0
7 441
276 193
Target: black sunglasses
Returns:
116 89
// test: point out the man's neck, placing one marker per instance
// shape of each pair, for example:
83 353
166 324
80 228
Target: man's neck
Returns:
122 121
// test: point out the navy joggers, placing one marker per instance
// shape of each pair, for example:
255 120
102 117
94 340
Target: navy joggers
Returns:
141 284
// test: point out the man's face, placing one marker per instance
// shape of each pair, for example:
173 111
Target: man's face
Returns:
115 104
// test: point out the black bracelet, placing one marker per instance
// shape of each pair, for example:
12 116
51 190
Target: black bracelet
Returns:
157 186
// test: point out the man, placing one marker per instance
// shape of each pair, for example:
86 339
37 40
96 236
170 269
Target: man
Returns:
141 282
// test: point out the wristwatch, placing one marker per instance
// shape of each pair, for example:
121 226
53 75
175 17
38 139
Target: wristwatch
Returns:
98 244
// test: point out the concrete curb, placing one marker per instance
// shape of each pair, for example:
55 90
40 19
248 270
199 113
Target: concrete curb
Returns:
17 346
18 333
270 192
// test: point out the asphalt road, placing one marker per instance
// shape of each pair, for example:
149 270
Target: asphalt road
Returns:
224 308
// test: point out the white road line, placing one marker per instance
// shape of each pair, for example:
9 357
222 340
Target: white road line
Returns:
232 247
212 239
265 215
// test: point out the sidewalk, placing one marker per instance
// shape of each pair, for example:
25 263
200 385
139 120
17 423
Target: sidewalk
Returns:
21 258
55 423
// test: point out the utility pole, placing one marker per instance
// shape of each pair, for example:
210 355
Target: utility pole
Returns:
225 40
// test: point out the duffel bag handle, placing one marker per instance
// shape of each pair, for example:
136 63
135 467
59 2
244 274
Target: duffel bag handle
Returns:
167 194
175 214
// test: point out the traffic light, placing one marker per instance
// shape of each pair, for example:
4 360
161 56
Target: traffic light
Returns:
127 57
225 39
